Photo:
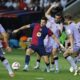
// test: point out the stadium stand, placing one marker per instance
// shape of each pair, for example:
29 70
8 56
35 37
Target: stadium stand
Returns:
73 7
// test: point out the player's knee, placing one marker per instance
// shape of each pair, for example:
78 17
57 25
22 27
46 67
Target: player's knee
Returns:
2 58
55 57
28 52
65 54
54 53
46 59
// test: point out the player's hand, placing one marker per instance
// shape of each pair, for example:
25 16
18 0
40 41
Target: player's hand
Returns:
62 47
54 5
15 31
8 49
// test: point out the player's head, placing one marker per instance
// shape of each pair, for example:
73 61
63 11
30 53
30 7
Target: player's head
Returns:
68 18
58 18
43 21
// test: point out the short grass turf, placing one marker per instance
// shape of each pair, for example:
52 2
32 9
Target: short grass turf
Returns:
19 55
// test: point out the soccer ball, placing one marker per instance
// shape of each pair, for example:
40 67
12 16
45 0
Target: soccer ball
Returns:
15 65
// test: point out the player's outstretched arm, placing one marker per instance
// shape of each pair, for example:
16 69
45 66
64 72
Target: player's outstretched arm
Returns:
21 28
57 41
49 10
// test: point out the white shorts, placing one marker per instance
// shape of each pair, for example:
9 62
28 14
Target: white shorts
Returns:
50 44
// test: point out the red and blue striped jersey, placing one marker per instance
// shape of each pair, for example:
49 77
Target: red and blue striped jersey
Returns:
39 33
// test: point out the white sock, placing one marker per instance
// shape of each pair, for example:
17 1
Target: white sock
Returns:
72 63
7 65
37 63
52 65
56 64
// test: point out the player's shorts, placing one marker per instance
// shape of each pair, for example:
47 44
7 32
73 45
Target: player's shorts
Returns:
1 52
39 49
48 49
50 44
54 44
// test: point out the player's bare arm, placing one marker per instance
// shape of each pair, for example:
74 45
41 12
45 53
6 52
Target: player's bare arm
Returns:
21 28
57 41
49 10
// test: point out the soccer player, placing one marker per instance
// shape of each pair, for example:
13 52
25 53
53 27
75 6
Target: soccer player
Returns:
2 58
48 49
56 26
74 39
39 33
77 56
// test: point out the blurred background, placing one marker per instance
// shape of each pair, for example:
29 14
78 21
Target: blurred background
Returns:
16 13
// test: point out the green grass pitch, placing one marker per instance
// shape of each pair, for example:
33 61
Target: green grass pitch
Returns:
19 55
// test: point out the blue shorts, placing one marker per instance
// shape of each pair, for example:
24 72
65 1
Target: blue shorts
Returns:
39 49
1 52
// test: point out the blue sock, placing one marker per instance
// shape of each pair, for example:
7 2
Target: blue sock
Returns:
27 59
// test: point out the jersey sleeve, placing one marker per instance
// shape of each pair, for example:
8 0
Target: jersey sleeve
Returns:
50 19
68 31
50 33
32 25
1 29
48 25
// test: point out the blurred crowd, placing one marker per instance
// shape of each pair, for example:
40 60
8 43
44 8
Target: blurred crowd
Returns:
34 5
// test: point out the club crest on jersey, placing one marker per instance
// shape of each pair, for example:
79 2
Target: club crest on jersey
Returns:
39 34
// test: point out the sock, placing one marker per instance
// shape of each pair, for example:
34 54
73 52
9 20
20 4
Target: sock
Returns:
7 65
76 59
56 63
27 60
52 64
71 61
47 65
38 62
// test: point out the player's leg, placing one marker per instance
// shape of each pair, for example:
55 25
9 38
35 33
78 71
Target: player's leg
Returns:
51 62
49 53
37 62
76 53
29 51
45 57
75 56
46 60
6 64
55 59
69 58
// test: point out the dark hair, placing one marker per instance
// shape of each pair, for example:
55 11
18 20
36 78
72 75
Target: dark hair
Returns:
68 16
44 18
58 14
